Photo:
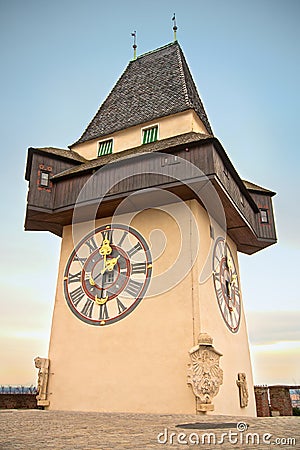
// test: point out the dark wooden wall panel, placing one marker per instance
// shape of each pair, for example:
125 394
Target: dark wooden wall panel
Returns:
233 190
40 197
265 230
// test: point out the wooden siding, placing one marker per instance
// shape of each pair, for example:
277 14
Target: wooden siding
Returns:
117 180
233 190
41 197
265 230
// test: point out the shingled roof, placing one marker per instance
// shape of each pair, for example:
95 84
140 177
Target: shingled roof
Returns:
156 84
255 188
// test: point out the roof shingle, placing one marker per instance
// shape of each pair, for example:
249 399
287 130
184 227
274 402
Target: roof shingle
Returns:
156 84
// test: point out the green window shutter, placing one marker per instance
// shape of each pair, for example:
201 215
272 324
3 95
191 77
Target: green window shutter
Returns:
150 135
145 140
105 147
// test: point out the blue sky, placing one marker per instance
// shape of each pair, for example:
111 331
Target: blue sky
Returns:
59 61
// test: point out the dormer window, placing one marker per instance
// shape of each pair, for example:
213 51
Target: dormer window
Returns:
105 147
150 134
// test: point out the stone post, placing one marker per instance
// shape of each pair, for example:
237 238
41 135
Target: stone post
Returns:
280 400
262 401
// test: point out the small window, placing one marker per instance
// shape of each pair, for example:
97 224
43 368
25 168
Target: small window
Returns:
169 160
150 134
105 147
264 218
44 180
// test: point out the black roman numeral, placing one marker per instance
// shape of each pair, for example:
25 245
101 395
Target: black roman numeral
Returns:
92 245
87 310
121 307
79 259
138 268
133 288
217 276
103 312
233 318
220 295
134 249
77 295
226 313
73 278
107 234
122 239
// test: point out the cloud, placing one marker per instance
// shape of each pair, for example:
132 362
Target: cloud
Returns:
271 327
275 346
276 363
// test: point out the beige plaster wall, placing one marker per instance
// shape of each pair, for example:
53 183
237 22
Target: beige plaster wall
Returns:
233 346
169 126
139 364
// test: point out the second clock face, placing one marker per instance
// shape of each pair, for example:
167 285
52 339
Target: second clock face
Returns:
107 274
226 284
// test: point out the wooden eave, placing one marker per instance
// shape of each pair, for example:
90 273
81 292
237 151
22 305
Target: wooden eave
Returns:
166 146
207 154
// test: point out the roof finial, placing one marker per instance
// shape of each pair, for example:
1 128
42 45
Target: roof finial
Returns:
134 44
174 27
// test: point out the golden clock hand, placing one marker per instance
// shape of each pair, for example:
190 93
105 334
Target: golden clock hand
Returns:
101 301
110 264
92 281
233 277
105 250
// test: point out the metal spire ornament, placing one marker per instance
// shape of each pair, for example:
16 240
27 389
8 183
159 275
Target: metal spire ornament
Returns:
174 27
134 44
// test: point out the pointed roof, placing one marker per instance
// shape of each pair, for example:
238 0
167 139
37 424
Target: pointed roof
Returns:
156 84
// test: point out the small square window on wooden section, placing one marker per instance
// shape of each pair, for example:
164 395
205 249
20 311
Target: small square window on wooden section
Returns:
150 134
264 216
105 147
169 160
43 180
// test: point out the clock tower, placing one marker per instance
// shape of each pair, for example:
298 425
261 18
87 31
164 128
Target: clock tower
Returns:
148 315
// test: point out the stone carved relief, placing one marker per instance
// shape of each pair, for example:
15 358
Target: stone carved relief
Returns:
43 365
204 373
243 389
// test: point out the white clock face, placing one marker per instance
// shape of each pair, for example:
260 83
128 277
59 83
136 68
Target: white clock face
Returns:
226 284
107 274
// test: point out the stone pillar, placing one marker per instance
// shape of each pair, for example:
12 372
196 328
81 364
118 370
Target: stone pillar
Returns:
43 365
280 400
262 401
